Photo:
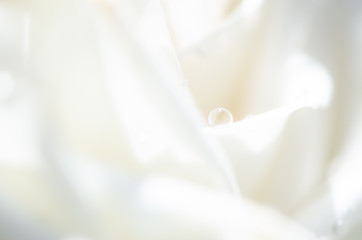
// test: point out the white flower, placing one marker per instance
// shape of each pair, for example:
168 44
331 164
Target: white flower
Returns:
103 109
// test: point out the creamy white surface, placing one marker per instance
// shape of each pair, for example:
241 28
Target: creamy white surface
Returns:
103 119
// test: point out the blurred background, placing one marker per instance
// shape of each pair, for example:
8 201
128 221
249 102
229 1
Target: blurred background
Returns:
168 119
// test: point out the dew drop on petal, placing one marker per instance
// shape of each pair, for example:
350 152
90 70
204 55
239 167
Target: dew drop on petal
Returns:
220 116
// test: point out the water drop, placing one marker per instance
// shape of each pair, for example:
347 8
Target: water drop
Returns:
220 116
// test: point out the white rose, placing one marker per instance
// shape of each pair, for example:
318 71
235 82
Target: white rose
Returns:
104 108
